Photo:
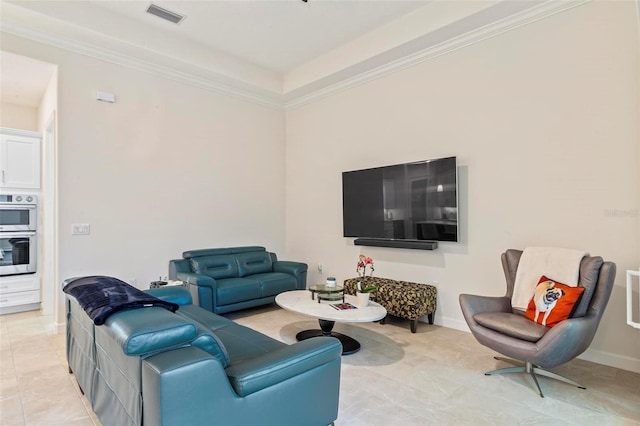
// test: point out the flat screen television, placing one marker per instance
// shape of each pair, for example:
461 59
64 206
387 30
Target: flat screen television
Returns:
411 202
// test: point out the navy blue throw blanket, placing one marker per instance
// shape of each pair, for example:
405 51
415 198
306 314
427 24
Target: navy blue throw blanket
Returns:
102 296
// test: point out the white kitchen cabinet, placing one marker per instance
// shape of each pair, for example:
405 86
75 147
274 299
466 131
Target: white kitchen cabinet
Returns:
19 159
19 293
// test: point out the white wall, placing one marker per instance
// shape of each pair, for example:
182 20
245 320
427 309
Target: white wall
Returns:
18 117
48 261
543 120
49 102
166 168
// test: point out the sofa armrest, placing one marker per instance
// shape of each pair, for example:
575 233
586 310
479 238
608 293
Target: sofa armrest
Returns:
472 304
297 269
186 386
205 289
196 279
172 293
566 340
477 304
258 373
178 265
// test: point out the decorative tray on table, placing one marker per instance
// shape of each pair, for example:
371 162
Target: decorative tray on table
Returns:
325 292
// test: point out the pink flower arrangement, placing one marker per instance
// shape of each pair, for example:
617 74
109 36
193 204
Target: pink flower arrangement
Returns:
361 269
363 262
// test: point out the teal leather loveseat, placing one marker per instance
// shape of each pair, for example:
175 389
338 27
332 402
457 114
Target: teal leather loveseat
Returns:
152 367
235 278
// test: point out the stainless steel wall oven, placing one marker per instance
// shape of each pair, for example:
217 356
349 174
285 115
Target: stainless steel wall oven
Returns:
18 234
18 212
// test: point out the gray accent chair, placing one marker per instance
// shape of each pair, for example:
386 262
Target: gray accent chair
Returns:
536 348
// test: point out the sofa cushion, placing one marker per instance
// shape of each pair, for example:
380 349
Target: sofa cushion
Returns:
234 290
189 254
514 325
218 267
148 330
204 317
254 262
274 283
243 343
238 341
260 372
245 249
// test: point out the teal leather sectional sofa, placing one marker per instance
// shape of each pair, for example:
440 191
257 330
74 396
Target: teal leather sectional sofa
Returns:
150 366
231 279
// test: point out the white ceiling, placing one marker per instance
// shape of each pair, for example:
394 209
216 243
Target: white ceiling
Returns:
275 34
275 52
254 41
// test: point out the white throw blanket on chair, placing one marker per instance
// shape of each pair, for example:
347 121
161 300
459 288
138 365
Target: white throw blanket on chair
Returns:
559 264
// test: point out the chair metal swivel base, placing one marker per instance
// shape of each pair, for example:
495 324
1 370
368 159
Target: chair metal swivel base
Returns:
527 367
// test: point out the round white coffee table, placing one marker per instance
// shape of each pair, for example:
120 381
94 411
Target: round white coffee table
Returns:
300 301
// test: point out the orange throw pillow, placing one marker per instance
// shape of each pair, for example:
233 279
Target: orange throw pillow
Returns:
552 302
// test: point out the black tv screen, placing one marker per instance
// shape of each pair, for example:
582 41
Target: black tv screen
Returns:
412 201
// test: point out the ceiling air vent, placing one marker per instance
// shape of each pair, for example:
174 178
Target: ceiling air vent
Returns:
165 14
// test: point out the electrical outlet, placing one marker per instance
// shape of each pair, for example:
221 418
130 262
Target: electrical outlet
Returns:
80 229
320 267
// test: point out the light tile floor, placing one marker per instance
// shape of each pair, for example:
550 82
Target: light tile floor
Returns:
35 386
433 377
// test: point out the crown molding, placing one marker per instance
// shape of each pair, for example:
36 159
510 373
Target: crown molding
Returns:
212 82
503 17
332 85
19 132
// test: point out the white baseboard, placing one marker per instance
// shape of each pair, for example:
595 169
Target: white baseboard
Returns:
612 360
600 357
456 324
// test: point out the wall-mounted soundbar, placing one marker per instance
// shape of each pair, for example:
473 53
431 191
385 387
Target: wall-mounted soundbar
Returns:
409 244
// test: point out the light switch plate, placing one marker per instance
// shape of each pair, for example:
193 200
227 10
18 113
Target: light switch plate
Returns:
80 229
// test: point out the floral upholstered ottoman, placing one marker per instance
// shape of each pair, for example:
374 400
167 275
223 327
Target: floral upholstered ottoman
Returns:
400 298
